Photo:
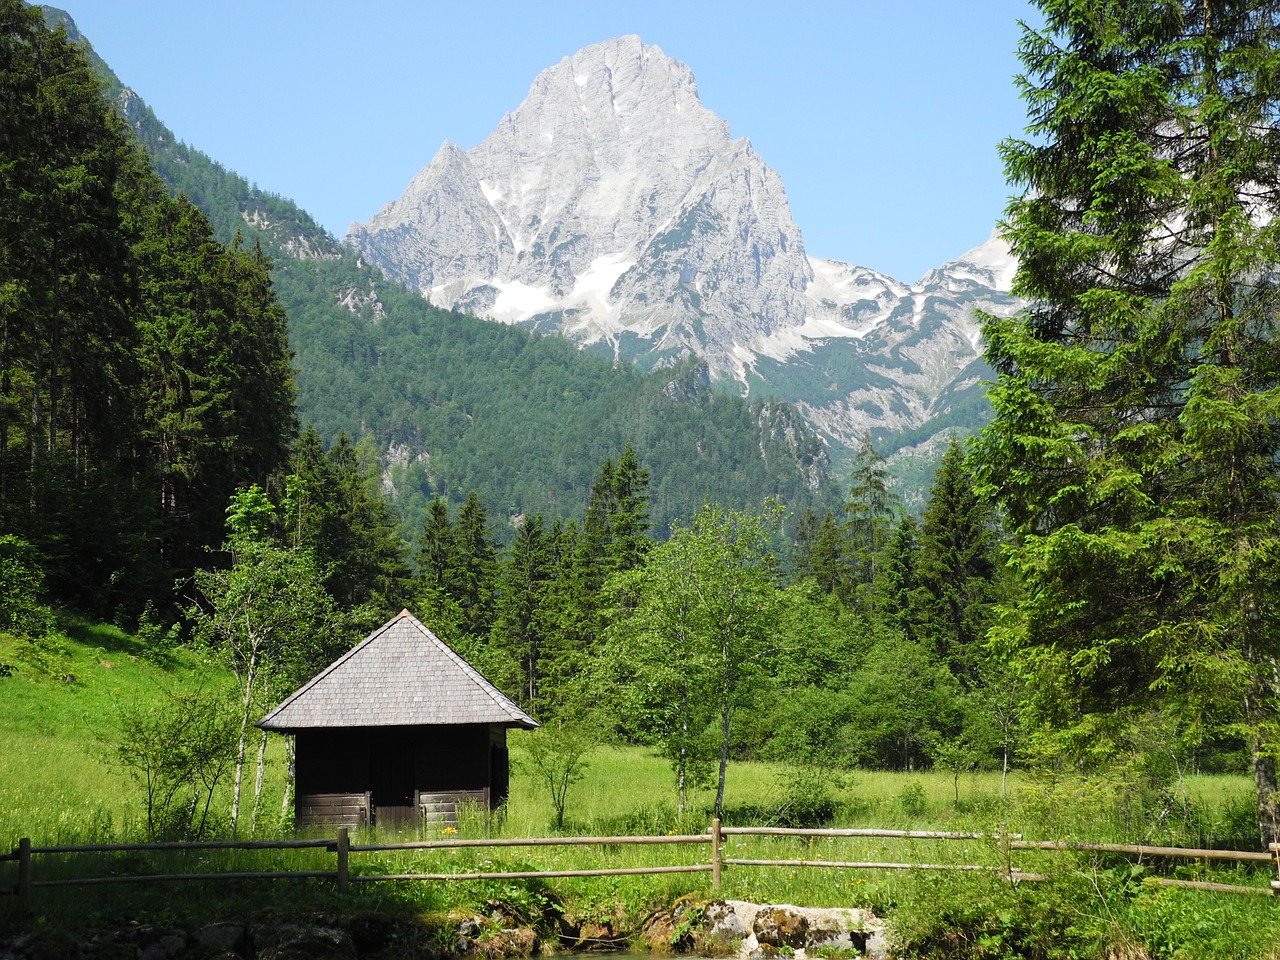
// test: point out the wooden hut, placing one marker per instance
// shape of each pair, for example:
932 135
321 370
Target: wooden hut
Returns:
398 729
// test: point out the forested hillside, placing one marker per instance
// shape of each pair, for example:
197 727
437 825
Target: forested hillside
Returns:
452 404
144 369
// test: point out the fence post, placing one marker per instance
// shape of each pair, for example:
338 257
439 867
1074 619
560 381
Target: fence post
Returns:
24 873
715 853
1006 853
344 849
1275 884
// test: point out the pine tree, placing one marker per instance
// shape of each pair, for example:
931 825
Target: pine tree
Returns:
956 566
898 585
340 515
870 510
616 528
438 548
475 586
1135 439
631 541
820 553
520 628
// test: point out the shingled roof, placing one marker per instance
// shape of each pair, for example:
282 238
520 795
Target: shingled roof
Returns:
402 674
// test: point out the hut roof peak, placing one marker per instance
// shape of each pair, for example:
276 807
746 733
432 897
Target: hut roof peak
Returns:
402 674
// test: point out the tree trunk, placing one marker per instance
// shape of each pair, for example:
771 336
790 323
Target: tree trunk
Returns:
250 678
235 789
290 745
1263 691
724 753
1264 778
257 783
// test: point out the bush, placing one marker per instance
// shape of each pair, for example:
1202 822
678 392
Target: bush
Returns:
912 800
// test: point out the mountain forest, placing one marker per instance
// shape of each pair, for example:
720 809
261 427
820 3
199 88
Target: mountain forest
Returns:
219 430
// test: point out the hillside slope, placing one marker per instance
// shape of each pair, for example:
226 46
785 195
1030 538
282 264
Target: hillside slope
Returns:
452 403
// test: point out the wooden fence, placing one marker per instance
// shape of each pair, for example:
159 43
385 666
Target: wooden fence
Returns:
715 837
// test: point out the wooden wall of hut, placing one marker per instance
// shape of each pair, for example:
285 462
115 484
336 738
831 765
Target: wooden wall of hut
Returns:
392 765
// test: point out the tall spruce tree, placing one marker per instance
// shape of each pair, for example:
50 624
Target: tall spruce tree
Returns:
476 565
820 552
336 510
1137 413
956 566
616 527
870 510
520 627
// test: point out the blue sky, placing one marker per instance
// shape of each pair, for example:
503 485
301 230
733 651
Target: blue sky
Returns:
882 118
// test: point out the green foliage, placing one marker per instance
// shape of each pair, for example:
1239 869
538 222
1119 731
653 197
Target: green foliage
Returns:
696 625
912 799
178 751
955 568
1134 440
21 587
948 916
558 754
333 509
869 511
144 370
268 617
1172 923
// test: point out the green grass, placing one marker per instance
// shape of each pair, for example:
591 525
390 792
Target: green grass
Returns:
58 785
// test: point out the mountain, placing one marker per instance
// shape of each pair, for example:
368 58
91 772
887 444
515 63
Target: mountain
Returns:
449 403
615 209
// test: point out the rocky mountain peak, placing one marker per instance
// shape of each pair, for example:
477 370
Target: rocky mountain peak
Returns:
614 208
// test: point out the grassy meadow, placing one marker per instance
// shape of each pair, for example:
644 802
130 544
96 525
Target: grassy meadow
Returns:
59 784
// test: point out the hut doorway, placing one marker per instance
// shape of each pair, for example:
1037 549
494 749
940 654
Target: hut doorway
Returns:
393 796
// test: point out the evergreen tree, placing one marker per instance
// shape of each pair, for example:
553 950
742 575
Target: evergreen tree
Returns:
69 457
820 553
520 628
338 513
476 570
898 585
616 529
630 520
1135 437
435 583
137 355
956 566
870 510
438 548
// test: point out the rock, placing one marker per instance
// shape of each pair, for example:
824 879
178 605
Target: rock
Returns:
600 933
722 921
615 208
780 927
222 938
298 942
373 932
498 944
661 932
470 927
168 947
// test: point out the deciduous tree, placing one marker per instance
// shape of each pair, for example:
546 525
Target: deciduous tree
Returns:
699 622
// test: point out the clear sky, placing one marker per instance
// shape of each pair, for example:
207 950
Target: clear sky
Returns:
881 116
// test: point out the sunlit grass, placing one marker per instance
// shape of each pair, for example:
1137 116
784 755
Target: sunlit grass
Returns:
59 785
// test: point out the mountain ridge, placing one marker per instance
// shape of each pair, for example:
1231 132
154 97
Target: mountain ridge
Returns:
615 209
451 403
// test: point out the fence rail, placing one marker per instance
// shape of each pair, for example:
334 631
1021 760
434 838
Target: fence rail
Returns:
715 836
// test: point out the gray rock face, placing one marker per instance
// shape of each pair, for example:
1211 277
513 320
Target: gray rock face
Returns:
613 207
612 201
